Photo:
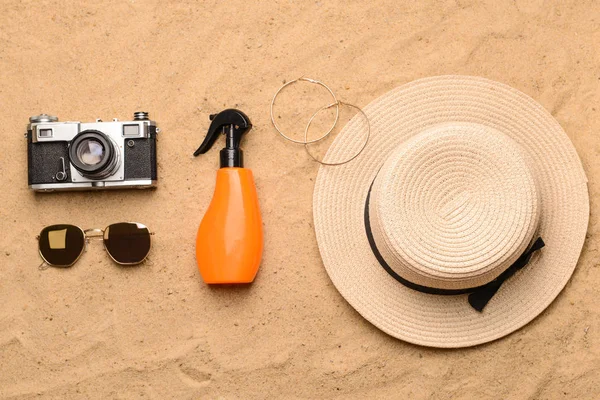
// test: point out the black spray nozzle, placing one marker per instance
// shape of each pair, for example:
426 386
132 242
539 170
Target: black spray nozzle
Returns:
232 123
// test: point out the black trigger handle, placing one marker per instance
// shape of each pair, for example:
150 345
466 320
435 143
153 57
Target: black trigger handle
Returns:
231 120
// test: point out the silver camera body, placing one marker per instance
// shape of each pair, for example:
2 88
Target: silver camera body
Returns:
77 155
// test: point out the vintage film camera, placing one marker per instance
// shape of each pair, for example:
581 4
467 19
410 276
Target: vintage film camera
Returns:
91 155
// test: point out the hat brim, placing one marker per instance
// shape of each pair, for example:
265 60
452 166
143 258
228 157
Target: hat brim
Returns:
436 320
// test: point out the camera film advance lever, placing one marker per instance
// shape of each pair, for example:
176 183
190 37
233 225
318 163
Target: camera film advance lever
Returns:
230 238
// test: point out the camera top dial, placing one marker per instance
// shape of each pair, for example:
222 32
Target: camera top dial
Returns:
42 118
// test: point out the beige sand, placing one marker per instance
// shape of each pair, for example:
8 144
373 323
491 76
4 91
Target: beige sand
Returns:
156 331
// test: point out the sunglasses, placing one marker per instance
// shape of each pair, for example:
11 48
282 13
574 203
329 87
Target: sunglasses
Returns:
127 243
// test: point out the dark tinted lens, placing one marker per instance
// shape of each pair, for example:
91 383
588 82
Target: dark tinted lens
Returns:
61 245
127 243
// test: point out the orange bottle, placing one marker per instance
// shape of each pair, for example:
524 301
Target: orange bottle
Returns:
229 243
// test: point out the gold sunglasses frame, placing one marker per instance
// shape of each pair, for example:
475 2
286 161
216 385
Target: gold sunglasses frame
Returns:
94 233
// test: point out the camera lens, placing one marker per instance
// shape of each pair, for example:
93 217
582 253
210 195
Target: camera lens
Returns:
94 154
90 152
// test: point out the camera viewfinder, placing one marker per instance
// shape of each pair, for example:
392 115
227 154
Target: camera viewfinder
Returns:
44 133
131 130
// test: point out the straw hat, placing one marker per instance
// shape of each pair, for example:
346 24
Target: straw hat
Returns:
436 233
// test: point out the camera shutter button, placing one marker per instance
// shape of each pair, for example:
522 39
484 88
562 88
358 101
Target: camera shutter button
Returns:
43 118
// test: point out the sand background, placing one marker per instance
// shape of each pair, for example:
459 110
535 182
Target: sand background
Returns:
156 331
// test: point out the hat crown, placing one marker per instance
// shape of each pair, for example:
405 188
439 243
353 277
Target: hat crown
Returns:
454 206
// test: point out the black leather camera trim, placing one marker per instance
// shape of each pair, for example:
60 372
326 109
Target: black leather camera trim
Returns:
44 161
140 159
